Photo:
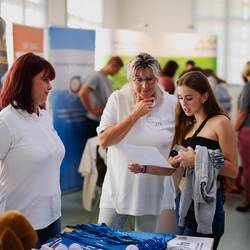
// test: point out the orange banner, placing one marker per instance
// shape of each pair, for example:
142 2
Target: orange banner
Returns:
27 39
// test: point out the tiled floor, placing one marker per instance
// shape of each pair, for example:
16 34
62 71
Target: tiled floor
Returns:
237 232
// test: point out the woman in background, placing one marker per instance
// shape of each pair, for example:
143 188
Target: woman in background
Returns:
243 127
220 90
167 74
30 150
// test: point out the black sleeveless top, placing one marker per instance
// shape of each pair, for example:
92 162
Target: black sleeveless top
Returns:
202 141
199 140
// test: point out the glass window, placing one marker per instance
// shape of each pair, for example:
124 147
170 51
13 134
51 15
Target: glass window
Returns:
28 12
210 9
238 49
239 9
12 11
230 21
35 13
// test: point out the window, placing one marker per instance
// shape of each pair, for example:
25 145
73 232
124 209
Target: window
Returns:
28 12
11 11
84 13
35 13
230 21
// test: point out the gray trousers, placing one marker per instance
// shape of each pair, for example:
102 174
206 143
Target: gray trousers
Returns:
145 223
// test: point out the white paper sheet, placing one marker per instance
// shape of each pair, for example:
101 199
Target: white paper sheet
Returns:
145 155
190 243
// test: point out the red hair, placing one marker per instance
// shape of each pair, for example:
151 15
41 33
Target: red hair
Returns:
17 88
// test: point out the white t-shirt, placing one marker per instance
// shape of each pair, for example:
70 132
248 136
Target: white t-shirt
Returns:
138 194
30 157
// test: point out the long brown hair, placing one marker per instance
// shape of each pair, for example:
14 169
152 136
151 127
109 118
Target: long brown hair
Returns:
17 88
198 82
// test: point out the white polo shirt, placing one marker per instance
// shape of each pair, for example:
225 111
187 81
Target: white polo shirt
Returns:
30 157
138 194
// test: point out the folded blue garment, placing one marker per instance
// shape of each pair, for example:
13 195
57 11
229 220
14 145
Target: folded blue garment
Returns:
100 236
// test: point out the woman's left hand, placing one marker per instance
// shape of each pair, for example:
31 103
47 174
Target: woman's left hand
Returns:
135 168
186 158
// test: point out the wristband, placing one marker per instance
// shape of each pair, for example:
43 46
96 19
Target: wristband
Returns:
144 169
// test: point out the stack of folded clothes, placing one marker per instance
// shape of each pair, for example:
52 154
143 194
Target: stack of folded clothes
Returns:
100 236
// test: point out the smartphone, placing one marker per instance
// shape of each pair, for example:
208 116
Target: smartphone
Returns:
173 152
176 149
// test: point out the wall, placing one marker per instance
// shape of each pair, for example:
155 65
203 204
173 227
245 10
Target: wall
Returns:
110 13
148 15
141 15
57 13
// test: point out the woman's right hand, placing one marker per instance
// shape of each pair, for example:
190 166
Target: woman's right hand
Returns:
142 107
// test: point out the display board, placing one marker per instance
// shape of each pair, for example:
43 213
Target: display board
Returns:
27 39
72 54
175 46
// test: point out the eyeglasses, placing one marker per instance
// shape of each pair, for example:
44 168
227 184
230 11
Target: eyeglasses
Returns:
140 80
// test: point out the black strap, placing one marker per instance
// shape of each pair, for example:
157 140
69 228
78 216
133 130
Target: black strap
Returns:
201 126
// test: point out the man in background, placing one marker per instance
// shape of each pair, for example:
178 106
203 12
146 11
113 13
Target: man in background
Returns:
189 65
96 91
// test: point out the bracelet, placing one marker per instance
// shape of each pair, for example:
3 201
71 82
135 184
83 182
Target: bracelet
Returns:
144 169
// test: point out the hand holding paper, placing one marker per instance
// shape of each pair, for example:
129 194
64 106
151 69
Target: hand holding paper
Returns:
145 155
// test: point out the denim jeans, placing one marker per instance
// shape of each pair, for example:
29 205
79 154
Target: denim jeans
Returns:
49 232
190 227
145 223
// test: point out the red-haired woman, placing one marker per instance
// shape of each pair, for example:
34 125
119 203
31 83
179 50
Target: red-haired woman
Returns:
30 150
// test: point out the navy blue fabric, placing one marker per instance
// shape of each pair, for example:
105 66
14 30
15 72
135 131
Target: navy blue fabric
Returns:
100 236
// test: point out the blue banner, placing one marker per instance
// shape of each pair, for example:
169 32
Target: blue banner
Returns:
72 55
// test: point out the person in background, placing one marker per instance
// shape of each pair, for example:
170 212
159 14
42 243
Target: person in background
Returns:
30 150
96 91
195 68
190 64
200 121
167 74
242 126
220 91
140 114
3 51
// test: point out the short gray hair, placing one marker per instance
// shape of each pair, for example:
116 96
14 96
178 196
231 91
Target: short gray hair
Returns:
143 61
